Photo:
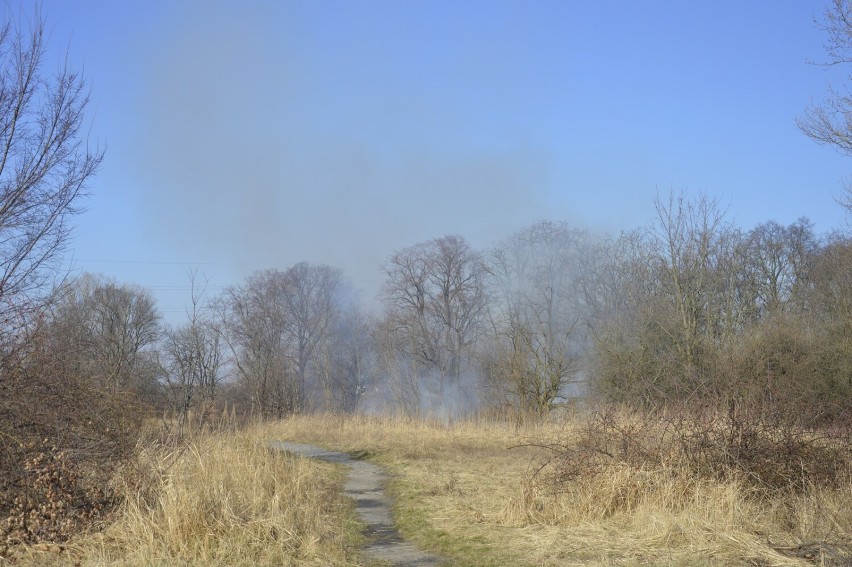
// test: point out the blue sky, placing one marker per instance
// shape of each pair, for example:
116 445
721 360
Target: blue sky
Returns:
247 135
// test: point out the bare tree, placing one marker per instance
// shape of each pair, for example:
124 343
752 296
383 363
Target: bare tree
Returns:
253 315
436 297
44 166
830 289
106 327
539 314
686 243
689 297
602 280
46 406
781 259
401 371
346 360
831 122
275 323
194 357
312 306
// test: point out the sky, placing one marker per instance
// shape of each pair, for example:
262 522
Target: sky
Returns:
250 135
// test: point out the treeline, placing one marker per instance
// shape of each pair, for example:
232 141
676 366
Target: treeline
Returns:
689 309
739 341
708 312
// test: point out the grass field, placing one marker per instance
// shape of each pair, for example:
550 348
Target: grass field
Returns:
472 491
220 499
469 490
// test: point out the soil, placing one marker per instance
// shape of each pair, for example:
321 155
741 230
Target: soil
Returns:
365 485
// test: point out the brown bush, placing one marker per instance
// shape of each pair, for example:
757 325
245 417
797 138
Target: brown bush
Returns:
51 498
765 449
61 440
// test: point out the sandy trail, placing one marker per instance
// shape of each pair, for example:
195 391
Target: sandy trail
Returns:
365 485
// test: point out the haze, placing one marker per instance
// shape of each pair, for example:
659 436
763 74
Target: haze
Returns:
244 135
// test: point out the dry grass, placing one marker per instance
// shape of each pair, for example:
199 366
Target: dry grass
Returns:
469 490
472 491
222 499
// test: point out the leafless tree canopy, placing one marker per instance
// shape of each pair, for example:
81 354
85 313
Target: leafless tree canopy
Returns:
105 328
436 296
781 257
275 324
689 291
539 312
831 122
346 360
194 356
44 165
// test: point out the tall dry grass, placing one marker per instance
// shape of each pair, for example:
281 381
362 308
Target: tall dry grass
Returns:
225 499
483 493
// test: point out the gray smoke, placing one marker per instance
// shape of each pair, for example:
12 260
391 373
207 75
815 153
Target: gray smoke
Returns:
261 154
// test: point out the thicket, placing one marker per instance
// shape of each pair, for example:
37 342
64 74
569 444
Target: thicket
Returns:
61 440
731 354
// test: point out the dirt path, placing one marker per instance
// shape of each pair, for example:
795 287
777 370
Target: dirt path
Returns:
365 484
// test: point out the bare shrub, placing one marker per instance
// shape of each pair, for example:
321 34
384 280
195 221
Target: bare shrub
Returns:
763 449
61 440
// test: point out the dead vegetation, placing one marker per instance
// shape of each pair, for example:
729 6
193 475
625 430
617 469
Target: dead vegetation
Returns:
50 499
766 452
61 442
216 498
492 493
614 487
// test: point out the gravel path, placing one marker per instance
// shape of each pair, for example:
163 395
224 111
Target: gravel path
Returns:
365 485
